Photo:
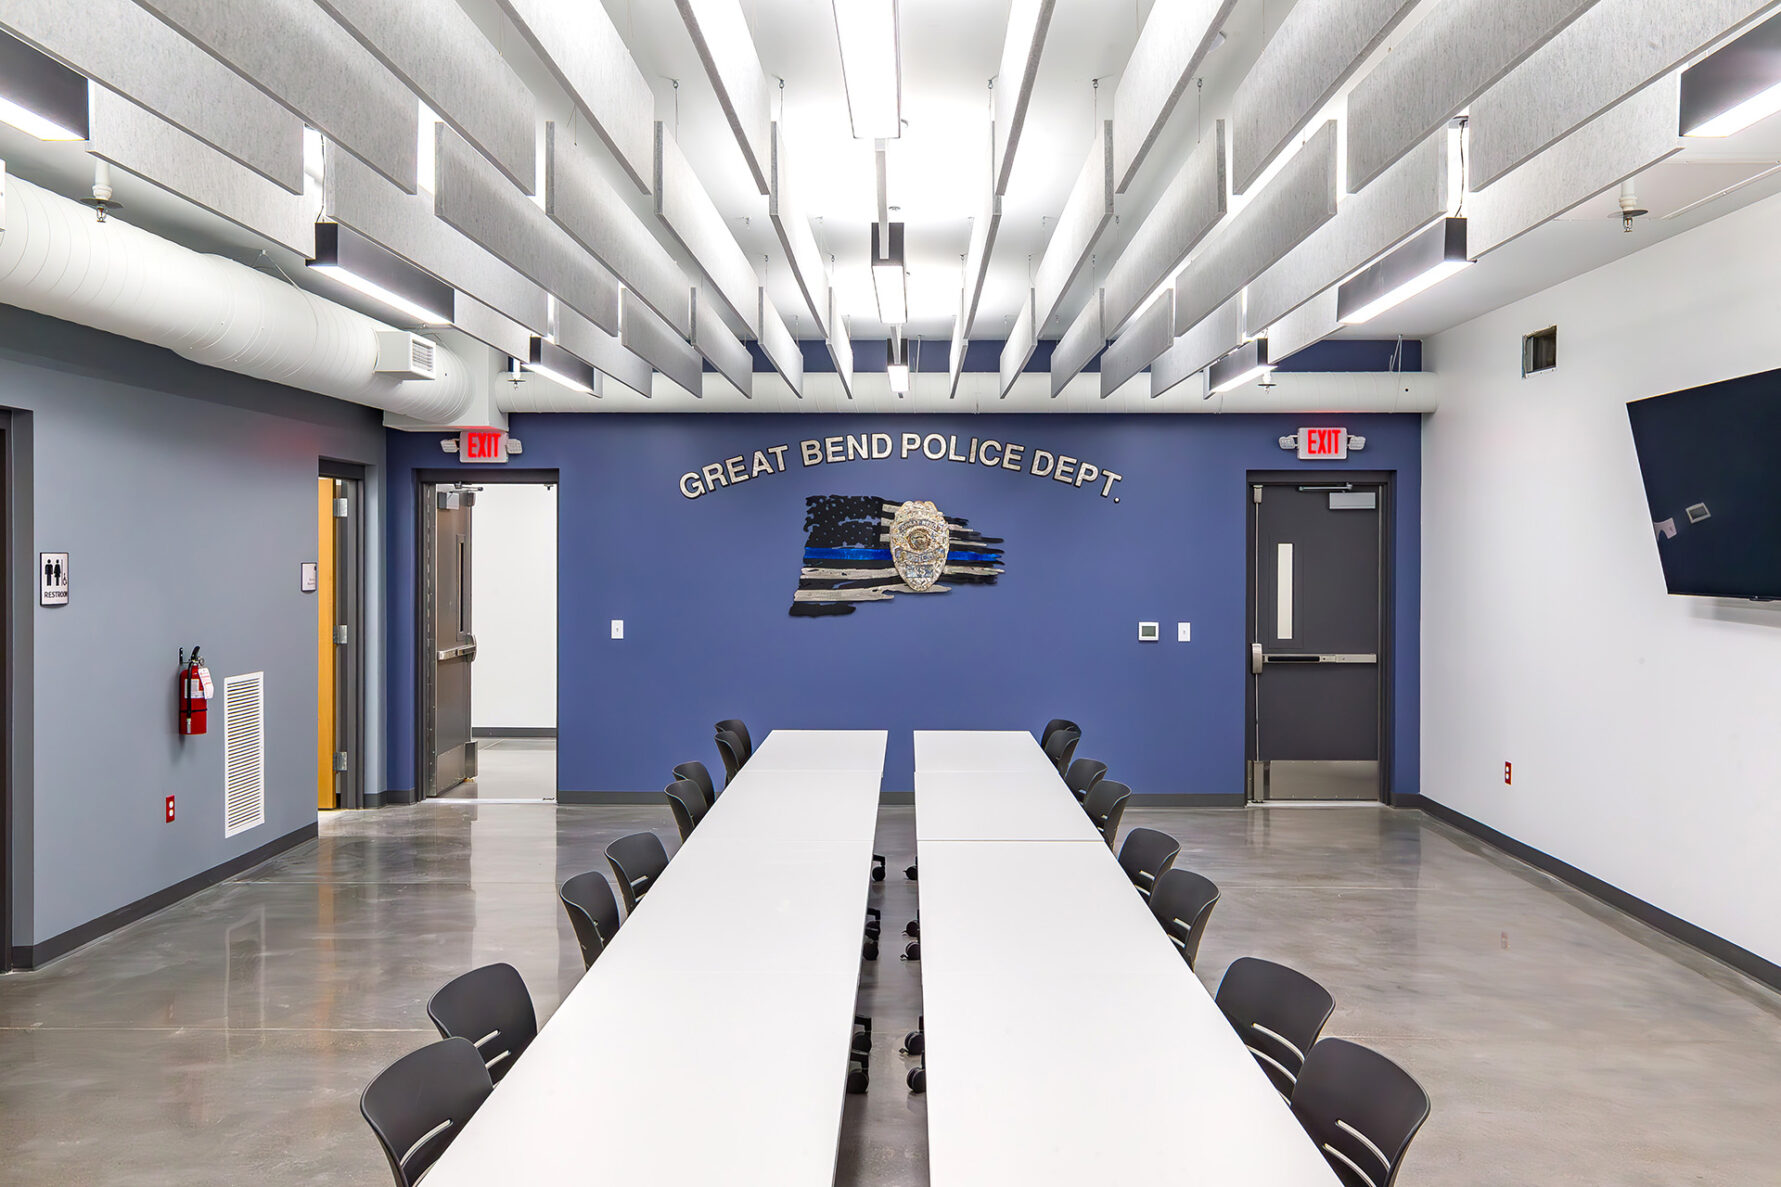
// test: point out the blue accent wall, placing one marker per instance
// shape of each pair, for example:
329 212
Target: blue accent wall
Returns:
703 586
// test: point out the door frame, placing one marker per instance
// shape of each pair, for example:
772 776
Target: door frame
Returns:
350 572
8 655
424 483
1385 480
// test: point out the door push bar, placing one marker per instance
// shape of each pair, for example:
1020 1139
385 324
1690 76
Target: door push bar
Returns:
1257 658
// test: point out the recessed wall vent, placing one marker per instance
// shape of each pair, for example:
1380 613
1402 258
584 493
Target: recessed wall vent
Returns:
1539 351
244 752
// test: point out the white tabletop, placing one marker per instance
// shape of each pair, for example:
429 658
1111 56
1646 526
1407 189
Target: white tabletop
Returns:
764 805
820 750
709 1043
979 750
1068 1043
998 806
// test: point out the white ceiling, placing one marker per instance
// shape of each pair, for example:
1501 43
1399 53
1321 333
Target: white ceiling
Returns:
938 170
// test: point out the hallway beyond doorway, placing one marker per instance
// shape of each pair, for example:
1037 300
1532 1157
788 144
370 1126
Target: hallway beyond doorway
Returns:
511 770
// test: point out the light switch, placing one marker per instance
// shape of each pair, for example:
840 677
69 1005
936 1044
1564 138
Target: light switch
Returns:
1184 632
618 628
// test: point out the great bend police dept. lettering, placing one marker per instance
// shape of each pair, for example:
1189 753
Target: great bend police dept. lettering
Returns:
935 447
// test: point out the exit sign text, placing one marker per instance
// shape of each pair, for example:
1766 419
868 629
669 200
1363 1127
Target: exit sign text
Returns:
482 445
1323 444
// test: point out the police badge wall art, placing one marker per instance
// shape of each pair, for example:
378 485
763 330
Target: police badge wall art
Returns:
861 548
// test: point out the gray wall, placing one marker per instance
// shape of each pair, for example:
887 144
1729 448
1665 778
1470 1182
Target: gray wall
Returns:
186 498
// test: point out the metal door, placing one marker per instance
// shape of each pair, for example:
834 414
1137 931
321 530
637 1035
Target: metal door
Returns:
450 755
347 617
1316 630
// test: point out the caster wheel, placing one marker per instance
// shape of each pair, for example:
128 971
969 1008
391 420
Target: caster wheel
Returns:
912 950
877 869
857 1081
910 873
912 929
872 931
862 1043
918 1080
914 1043
870 950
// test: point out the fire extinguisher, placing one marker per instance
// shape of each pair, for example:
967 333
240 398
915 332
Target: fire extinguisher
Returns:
194 694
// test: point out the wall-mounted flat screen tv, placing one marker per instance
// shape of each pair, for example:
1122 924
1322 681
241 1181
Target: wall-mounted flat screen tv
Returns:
1709 457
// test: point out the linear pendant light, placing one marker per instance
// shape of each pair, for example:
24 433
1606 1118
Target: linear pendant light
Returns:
897 369
889 280
553 362
1731 89
1425 260
1249 361
380 274
38 95
871 66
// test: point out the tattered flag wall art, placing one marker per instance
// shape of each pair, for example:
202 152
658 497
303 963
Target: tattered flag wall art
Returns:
862 548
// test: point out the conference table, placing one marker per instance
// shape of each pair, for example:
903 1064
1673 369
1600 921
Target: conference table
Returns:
1066 1040
709 1042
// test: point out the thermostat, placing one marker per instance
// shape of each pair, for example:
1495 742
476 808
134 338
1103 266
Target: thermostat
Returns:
1149 632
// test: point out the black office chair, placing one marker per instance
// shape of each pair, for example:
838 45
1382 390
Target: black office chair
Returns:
1182 902
696 772
741 731
734 751
1146 856
636 861
490 1007
1278 1013
1061 746
593 913
1083 774
1105 805
687 803
1054 725
418 1104
1361 1110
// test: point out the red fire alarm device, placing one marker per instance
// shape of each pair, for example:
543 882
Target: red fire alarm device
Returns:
482 446
1323 445
169 809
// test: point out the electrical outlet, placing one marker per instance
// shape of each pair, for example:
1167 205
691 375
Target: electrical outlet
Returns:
1184 632
169 809
618 628
1508 773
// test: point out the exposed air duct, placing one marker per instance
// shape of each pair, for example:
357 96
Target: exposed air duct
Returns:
56 259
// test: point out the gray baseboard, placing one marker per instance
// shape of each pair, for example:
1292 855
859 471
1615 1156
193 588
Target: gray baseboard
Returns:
1181 799
1699 938
35 956
514 731
591 798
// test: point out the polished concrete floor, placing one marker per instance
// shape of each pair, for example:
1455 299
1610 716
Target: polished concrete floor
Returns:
225 1040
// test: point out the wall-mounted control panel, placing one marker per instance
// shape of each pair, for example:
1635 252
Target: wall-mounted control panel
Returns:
1149 632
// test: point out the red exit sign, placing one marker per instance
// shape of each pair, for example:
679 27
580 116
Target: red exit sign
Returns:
482 445
1323 445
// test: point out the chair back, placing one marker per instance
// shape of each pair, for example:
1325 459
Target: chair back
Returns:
1146 856
734 751
1105 805
636 861
418 1104
1083 774
696 772
1054 725
1361 1110
1278 1013
1182 902
1061 746
741 731
593 913
687 803
490 1007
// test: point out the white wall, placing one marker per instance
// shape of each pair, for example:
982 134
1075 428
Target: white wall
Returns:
1645 729
514 607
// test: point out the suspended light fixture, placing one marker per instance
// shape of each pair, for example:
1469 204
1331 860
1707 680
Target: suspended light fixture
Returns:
378 273
1731 89
889 279
1424 261
38 95
897 370
553 362
871 66
1249 361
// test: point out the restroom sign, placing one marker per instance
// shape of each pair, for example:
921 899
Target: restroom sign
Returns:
482 446
52 573
1323 445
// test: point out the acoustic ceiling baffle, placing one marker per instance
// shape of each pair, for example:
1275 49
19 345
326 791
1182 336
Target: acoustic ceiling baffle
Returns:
358 263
